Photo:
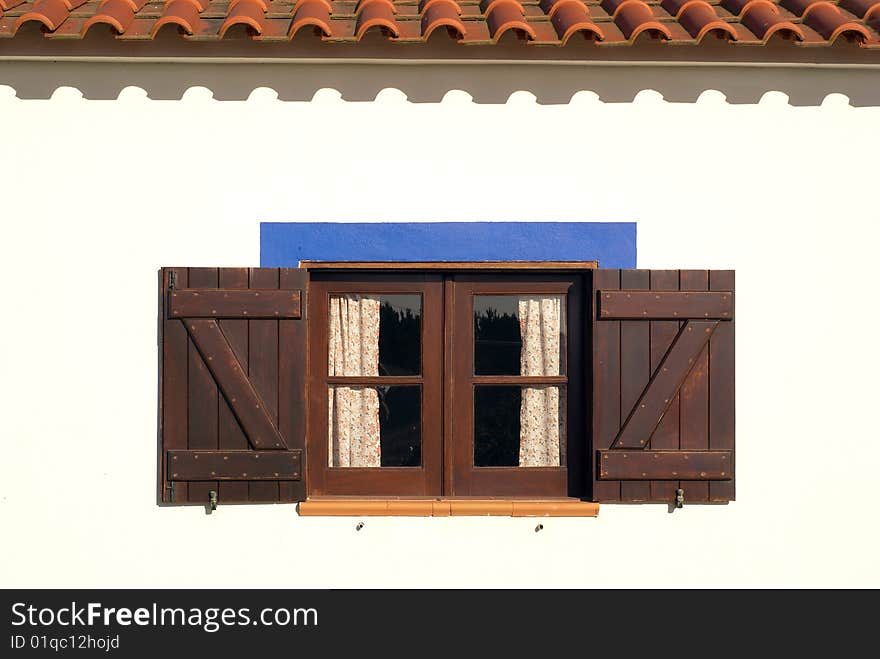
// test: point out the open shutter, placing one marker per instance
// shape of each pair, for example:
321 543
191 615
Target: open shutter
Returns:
232 385
663 385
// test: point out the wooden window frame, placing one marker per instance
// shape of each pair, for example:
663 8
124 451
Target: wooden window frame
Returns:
447 470
469 480
424 480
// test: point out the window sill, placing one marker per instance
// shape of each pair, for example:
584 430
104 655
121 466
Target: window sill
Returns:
452 507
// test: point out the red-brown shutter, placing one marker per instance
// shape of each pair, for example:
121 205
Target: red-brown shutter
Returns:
232 385
663 385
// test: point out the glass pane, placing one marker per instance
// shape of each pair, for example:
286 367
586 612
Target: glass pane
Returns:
519 335
375 426
519 426
372 335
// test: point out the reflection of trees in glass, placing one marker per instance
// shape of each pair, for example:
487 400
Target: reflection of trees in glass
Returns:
496 426
497 343
400 426
399 340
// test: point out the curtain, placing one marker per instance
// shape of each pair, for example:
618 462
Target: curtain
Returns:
542 413
354 411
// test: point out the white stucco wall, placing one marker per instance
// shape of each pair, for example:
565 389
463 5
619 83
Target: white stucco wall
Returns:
96 195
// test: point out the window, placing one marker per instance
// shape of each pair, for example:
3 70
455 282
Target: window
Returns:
530 386
375 396
444 385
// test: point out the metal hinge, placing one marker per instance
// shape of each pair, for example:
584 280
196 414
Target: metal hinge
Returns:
212 501
679 498
172 279
173 494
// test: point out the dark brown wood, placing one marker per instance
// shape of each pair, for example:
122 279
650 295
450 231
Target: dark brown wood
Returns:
234 465
449 354
270 355
252 410
694 423
663 333
665 465
174 393
448 266
700 418
640 304
468 480
522 380
679 362
606 382
721 389
203 397
292 373
232 303
379 481
360 381
635 365
231 436
263 347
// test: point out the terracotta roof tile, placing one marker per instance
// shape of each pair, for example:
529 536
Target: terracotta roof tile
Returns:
536 23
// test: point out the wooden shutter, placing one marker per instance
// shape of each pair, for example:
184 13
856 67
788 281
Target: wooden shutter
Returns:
232 385
663 385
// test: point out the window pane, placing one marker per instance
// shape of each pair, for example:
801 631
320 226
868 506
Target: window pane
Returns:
519 426
375 335
519 335
375 426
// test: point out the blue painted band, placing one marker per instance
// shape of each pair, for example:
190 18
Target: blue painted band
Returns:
284 244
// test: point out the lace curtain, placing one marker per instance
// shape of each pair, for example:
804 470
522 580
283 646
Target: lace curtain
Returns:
354 411
542 413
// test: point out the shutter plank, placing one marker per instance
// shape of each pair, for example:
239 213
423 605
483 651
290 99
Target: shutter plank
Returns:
175 359
235 465
231 303
231 436
694 420
722 388
292 381
637 305
635 369
263 369
647 465
663 333
203 396
606 383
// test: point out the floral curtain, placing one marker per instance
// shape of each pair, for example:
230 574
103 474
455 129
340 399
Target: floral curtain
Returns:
542 413
354 411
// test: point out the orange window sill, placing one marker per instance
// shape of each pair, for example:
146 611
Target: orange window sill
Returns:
452 507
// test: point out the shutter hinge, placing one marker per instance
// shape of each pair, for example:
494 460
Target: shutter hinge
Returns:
212 501
172 279
679 498
172 495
